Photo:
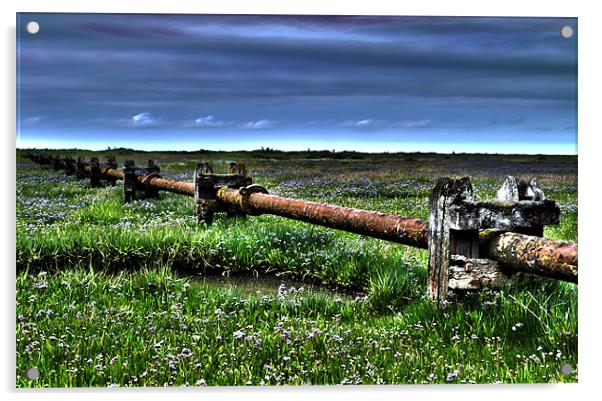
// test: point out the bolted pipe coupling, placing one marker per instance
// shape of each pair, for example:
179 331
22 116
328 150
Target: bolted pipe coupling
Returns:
147 178
245 193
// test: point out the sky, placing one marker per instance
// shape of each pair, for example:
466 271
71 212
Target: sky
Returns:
242 82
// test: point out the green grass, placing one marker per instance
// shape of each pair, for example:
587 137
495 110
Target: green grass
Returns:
151 328
118 279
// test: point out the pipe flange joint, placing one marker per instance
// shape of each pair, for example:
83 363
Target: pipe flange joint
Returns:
147 178
245 193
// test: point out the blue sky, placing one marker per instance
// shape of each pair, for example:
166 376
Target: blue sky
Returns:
494 85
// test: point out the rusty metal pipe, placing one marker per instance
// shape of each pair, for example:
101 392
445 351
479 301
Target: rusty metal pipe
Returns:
110 172
107 171
178 187
536 255
413 232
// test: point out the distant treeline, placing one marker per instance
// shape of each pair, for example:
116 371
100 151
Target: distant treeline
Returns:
271 153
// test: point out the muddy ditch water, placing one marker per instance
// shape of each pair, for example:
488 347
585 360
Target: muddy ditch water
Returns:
262 284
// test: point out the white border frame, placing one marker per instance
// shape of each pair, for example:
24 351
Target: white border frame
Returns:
589 145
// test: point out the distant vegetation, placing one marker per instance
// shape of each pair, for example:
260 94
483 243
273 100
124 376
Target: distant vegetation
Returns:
271 153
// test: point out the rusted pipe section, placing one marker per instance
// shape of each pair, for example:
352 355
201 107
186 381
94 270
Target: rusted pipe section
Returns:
110 172
178 187
541 256
413 232
536 255
106 171
183 188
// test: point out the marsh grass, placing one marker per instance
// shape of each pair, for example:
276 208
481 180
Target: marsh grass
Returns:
152 328
106 294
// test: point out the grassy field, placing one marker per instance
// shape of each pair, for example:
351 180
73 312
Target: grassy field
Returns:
112 294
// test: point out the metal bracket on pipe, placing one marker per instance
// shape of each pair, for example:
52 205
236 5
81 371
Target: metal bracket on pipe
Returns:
129 181
97 172
245 193
152 171
149 191
138 179
111 163
206 185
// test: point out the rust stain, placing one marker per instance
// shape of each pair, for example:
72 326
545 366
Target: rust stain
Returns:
178 187
408 231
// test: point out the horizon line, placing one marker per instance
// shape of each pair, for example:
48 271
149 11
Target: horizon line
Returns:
272 150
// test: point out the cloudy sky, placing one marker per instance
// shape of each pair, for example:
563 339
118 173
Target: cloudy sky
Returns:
506 85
